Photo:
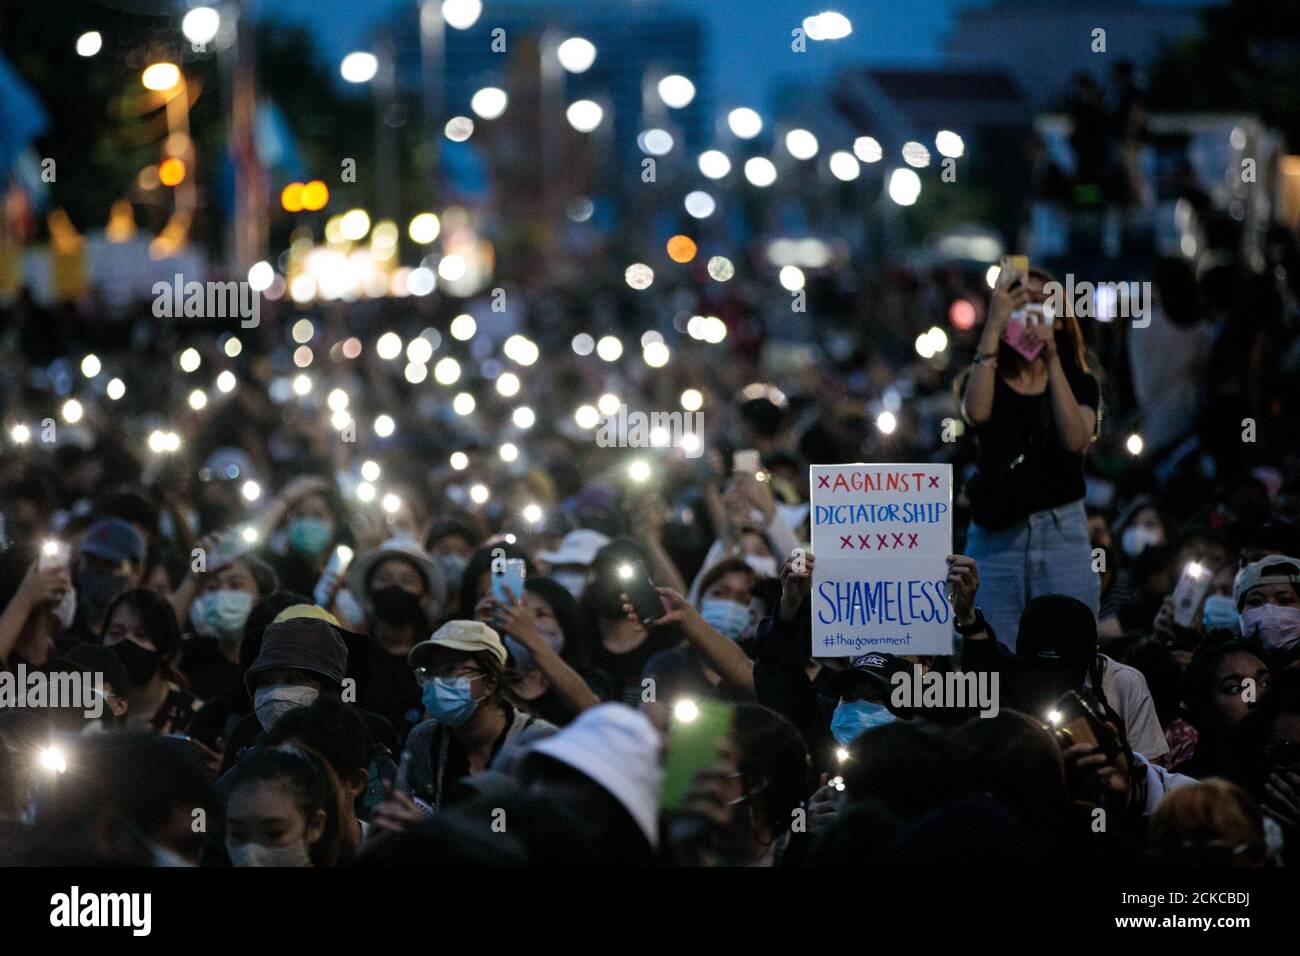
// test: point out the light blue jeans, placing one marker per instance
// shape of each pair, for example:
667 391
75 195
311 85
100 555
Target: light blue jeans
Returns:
1047 553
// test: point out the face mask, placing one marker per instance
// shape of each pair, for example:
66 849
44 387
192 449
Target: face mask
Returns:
97 589
729 618
855 717
449 701
1137 539
141 663
349 611
1220 611
254 854
310 536
397 606
452 567
764 567
272 703
66 610
1278 627
221 613
523 658
572 581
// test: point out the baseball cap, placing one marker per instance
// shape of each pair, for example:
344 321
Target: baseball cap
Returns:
1273 569
468 636
868 676
113 540
96 658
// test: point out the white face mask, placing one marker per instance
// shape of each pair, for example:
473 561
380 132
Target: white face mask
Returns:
1137 539
272 703
1278 627
255 854
66 609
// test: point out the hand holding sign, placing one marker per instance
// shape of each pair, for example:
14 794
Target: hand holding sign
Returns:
882 534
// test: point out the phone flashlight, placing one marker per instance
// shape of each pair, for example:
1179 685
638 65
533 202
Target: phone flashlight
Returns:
841 754
1054 717
686 710
625 572
52 759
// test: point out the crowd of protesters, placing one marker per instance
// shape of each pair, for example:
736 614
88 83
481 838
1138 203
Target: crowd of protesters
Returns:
294 671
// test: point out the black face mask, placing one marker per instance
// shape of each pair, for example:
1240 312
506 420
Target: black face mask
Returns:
397 606
141 664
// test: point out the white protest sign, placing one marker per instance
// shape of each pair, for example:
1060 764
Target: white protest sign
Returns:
881 535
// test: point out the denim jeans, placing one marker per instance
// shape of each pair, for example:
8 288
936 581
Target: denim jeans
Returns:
1047 553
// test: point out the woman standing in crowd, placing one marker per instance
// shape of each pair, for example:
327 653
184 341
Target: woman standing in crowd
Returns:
1033 420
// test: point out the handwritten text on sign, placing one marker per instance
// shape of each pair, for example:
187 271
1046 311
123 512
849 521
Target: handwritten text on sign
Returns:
881 534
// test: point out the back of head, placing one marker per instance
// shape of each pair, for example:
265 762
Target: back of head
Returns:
1015 759
773 751
1211 823
908 769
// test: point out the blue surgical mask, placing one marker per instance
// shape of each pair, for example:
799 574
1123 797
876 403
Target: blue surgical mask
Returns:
1219 611
449 700
855 717
729 618
310 536
221 613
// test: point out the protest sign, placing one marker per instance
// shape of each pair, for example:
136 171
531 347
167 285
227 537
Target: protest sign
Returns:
881 535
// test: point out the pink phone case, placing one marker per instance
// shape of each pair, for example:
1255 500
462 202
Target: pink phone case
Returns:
1014 334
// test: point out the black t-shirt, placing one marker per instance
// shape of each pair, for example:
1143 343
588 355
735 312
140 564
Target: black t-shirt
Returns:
209 673
392 690
625 670
1022 466
680 673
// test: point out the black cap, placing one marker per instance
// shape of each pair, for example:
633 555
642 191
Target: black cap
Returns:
1057 630
868 676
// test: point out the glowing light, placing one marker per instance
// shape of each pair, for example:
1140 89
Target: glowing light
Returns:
844 166
656 355
385 426
489 102
249 534
523 417
459 460
366 492
904 186
915 154
200 25
459 129
991 276
419 350
714 163
226 381
390 503
886 423
415 372
88 44
639 275
251 491
302 331
699 204
461 14
801 144
583 344
656 142
52 759
160 77
676 91
389 346
867 149
721 269
302 385
639 470
171 171
315 195
508 452
260 276
962 315
508 384
609 348
370 470
686 711
586 416
354 225
198 399
744 122
827 26
1134 444
190 360
692 400
452 268
532 513
791 278
949 144
576 54
424 228
463 327
447 371
584 115
21 434
116 389
359 67
681 248
479 494
90 365
760 172
608 404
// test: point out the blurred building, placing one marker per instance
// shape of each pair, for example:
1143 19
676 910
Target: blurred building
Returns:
1042 44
